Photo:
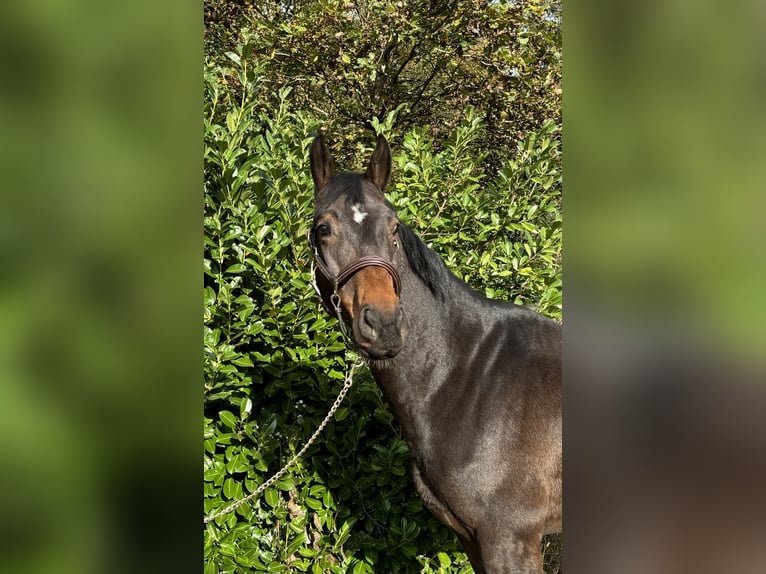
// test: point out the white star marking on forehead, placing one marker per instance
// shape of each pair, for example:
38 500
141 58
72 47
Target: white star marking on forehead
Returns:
359 215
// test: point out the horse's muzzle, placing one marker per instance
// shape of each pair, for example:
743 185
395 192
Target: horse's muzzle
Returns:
380 334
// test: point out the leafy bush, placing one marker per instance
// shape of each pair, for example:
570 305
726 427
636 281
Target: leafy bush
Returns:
350 61
502 236
274 361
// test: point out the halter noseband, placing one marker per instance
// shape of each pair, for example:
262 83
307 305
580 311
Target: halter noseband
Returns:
347 273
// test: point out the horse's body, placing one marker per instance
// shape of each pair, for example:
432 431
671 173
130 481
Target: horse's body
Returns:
474 383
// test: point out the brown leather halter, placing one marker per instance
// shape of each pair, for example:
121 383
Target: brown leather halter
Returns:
347 273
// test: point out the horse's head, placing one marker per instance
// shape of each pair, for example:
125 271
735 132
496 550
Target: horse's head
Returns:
355 237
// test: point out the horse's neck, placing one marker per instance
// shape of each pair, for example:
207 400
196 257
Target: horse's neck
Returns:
422 367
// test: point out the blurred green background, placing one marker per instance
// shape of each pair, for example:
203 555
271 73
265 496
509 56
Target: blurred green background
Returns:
100 155
664 283
665 111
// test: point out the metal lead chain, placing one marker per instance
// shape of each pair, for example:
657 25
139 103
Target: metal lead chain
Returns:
258 491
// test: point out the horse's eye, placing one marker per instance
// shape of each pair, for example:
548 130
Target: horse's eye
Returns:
323 230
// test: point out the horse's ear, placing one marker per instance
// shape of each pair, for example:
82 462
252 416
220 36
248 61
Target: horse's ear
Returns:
322 166
379 169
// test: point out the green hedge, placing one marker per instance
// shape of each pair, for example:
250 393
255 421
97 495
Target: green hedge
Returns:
274 361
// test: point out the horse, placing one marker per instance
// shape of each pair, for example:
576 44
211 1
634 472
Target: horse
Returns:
475 383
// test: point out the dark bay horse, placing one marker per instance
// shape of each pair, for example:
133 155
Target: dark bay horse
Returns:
475 383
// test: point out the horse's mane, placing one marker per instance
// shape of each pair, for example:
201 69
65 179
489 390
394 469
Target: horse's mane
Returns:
425 263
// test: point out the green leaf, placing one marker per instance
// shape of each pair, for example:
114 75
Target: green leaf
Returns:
228 419
317 490
243 361
209 296
341 414
271 497
236 268
231 121
232 489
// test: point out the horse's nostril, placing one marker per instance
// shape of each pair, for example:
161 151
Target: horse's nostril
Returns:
368 323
